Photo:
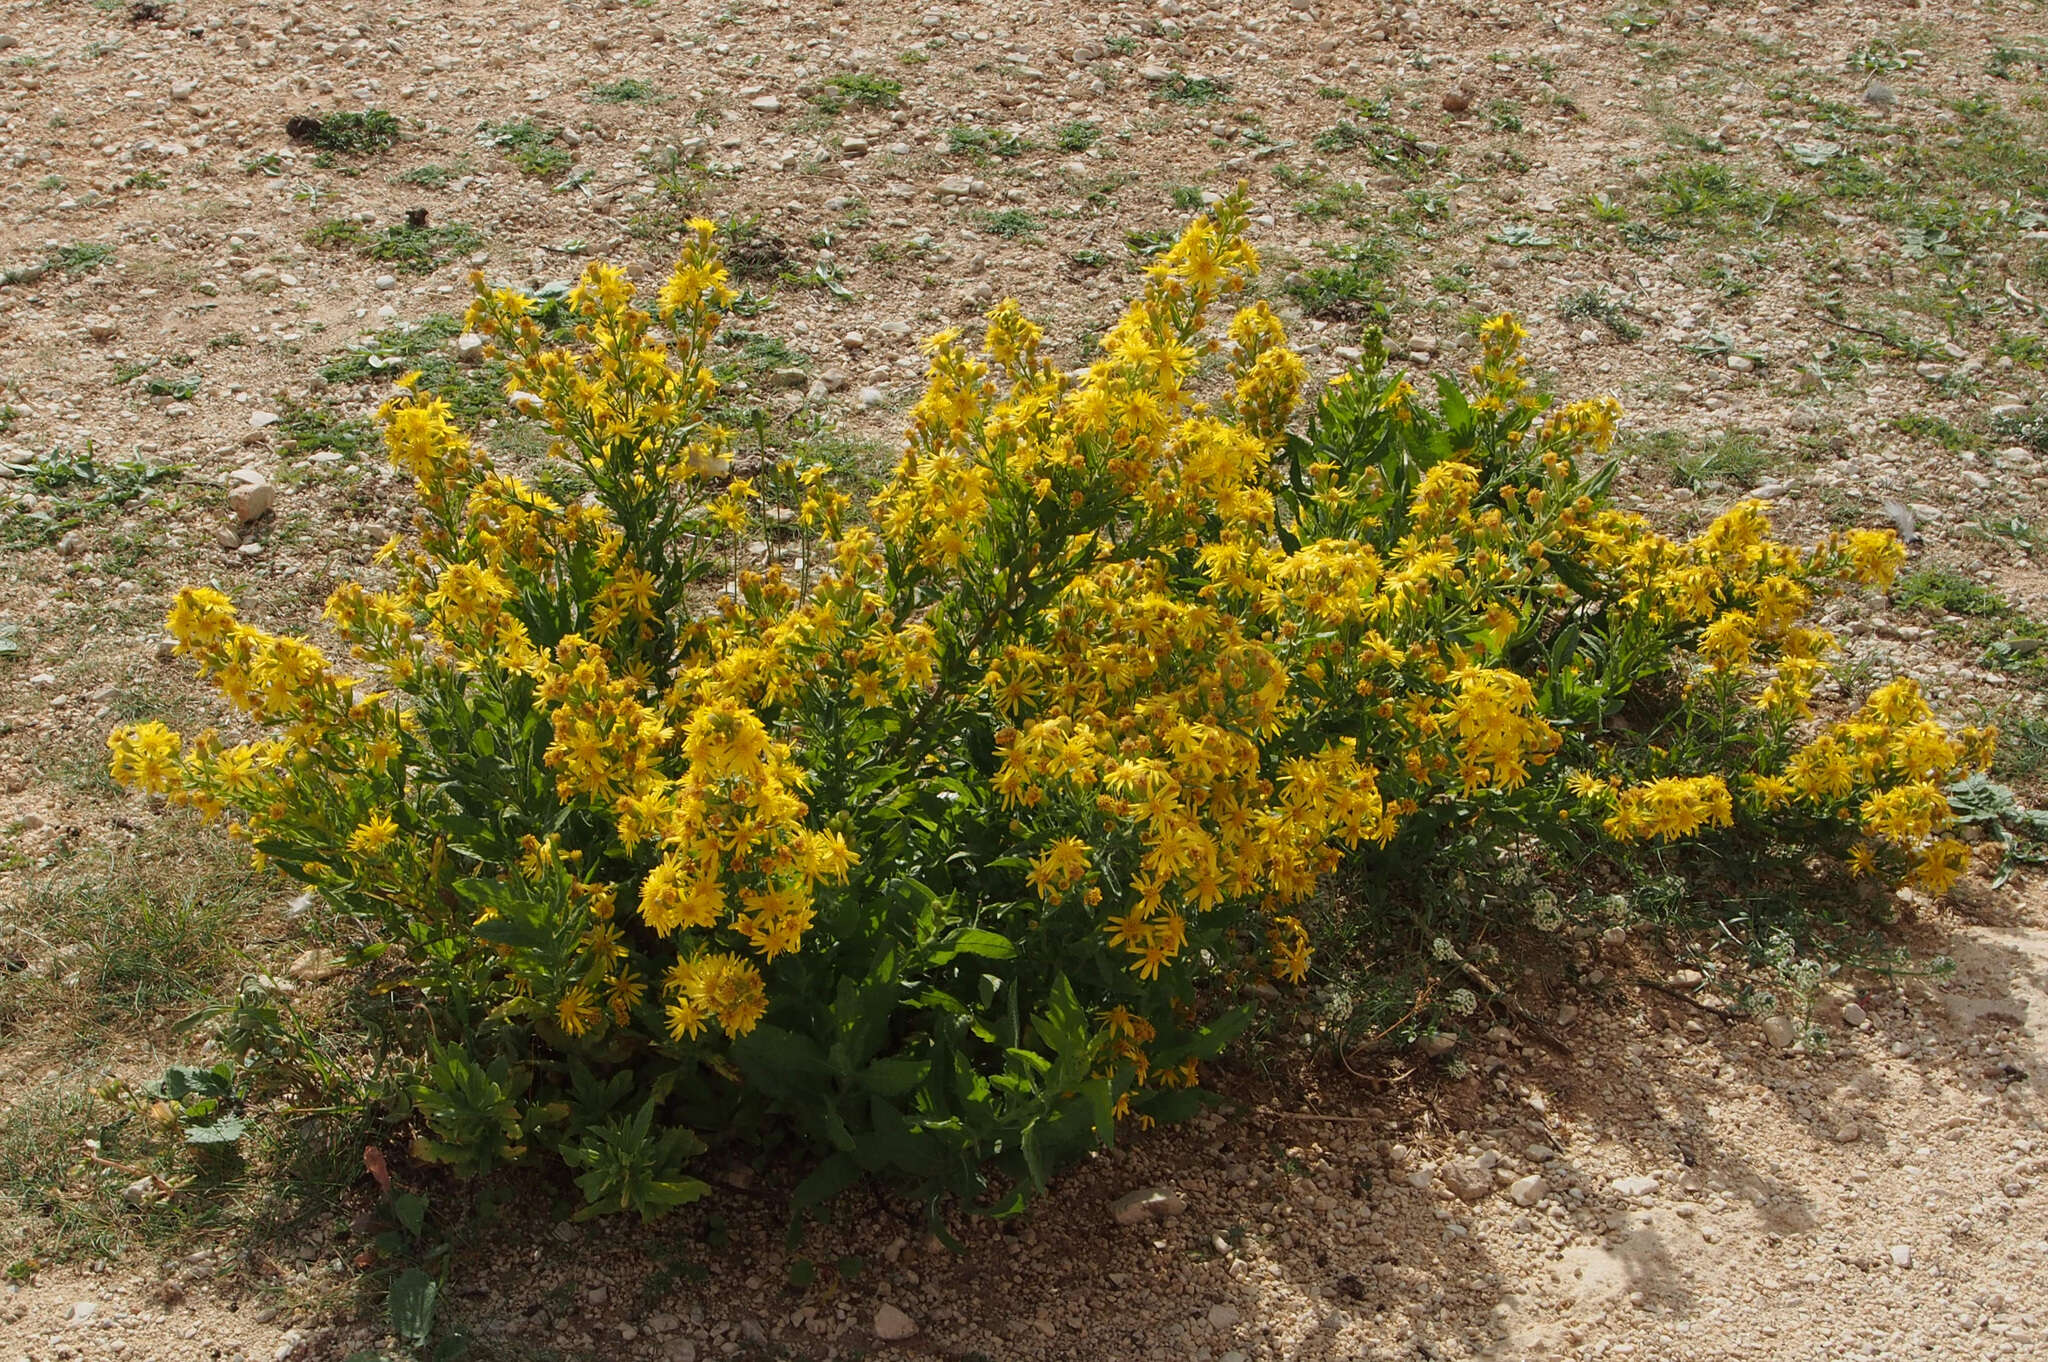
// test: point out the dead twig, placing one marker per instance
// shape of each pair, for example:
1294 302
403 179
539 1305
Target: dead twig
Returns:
131 1171
1515 1009
1723 1013
1316 1116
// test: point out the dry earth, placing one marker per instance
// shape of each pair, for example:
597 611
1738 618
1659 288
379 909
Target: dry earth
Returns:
1802 243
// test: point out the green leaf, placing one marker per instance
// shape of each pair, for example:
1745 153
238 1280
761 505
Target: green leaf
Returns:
1064 1023
973 941
1210 1040
1980 799
449 1348
894 1077
1102 1110
514 932
1032 1144
826 1181
782 1064
222 1130
411 1211
411 1306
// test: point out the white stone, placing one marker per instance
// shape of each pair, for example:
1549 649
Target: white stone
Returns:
1528 1191
1780 1032
1468 1181
1854 1015
251 498
1641 1185
770 104
872 397
1147 1204
315 964
892 1325
1902 1255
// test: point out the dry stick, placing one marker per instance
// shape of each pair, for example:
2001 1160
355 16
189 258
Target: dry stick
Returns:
1382 1035
1516 1010
1723 1013
1316 1116
1865 331
131 1171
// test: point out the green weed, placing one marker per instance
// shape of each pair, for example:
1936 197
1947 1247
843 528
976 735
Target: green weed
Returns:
436 176
413 249
1945 591
1706 195
77 488
1600 306
985 142
529 146
1013 224
874 92
1927 426
1182 88
628 90
80 257
1349 291
347 134
1079 135
306 428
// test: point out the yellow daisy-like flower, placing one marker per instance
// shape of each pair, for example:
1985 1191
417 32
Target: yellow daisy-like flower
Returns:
577 1011
372 835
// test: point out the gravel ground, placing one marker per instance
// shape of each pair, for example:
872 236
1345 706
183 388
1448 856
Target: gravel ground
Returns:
1687 204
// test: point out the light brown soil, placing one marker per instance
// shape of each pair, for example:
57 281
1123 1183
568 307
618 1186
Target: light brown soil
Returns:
1880 1197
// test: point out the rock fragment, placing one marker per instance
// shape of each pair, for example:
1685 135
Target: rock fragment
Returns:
1468 1181
892 1325
250 495
1147 1205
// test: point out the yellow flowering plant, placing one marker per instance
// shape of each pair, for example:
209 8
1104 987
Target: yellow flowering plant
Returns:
949 835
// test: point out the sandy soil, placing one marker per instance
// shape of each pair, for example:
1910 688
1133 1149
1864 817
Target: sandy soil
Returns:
1703 1193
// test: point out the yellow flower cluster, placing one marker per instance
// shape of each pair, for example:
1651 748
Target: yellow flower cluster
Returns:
1671 808
1884 770
1103 668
